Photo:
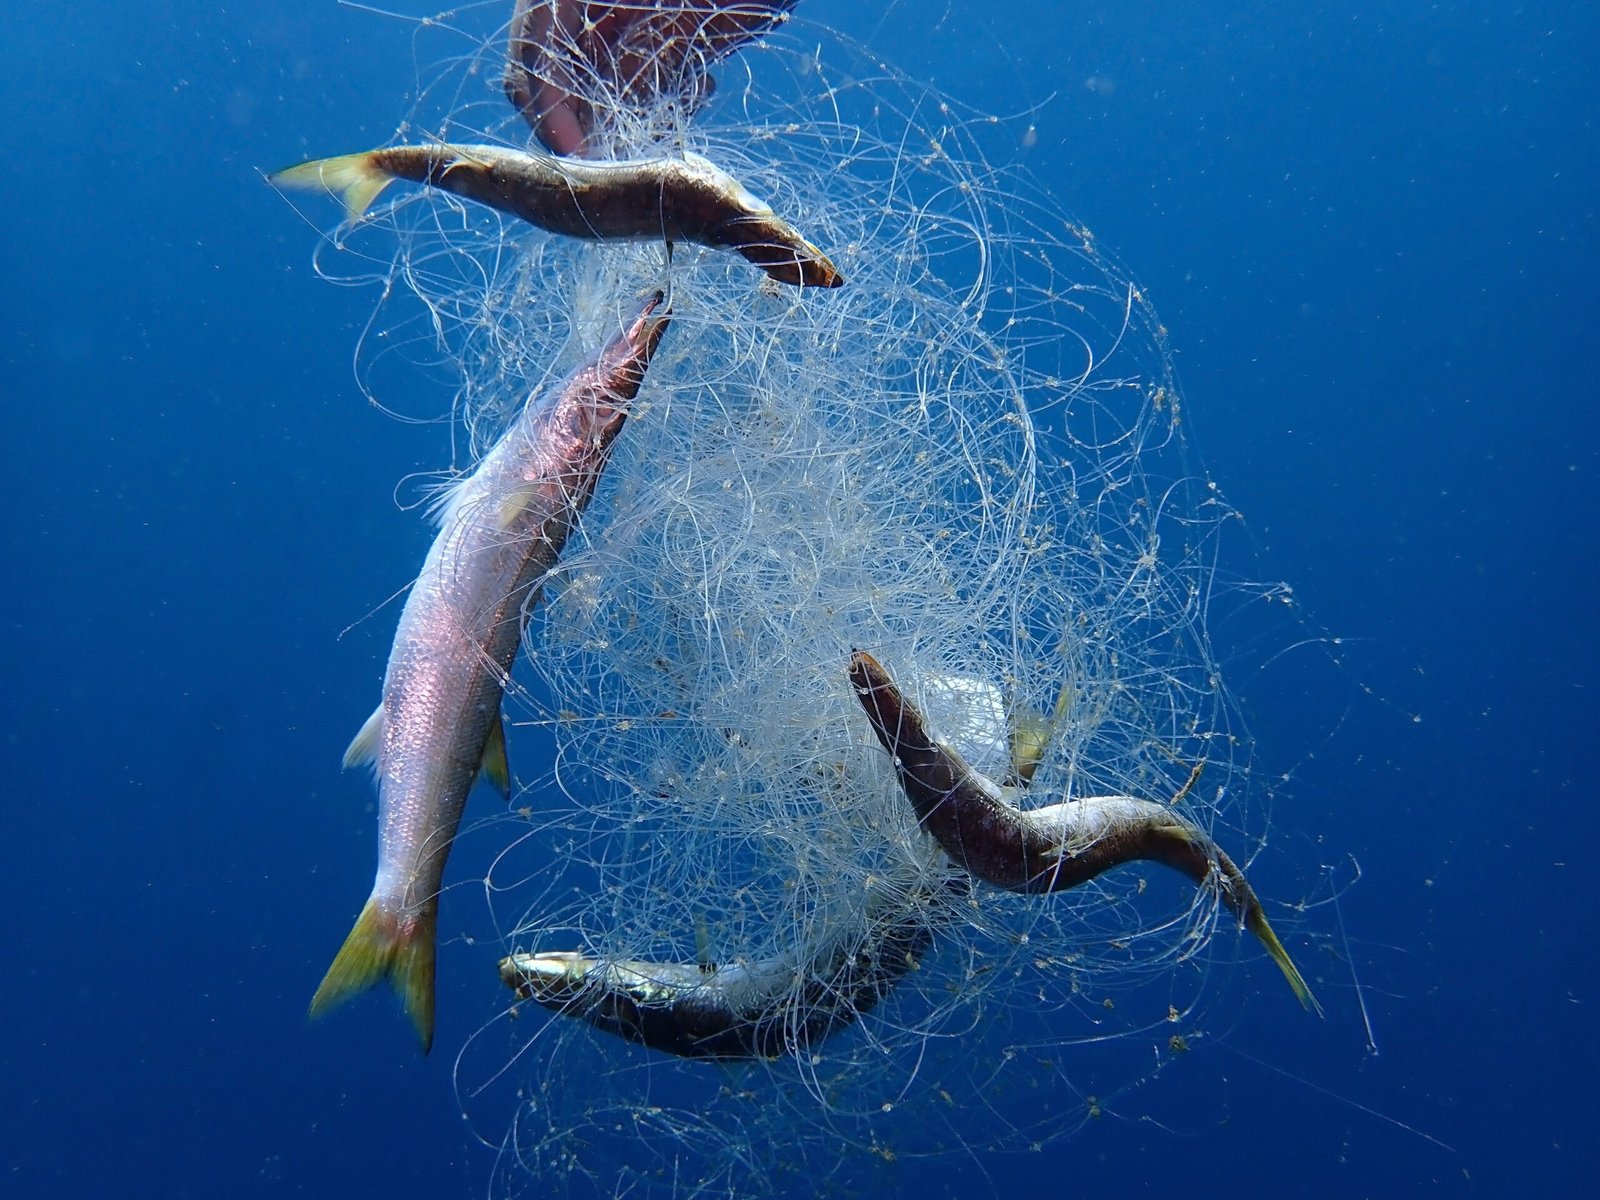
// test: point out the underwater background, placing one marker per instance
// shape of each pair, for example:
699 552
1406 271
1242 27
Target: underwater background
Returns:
1371 231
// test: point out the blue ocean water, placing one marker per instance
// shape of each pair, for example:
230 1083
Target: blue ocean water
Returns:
1371 231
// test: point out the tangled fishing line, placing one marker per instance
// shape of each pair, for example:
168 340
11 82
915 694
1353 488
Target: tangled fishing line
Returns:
968 461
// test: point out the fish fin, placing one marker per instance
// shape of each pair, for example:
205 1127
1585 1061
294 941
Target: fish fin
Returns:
1032 732
1258 925
381 947
496 768
355 178
1030 738
463 155
1189 837
446 502
364 747
512 505
702 945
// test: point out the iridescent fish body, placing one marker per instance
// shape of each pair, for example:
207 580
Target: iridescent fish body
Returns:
501 532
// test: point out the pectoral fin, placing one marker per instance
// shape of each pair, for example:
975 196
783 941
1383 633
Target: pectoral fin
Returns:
1032 733
513 504
364 749
496 769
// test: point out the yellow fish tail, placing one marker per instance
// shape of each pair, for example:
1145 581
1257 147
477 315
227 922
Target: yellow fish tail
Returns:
382 946
1259 926
355 178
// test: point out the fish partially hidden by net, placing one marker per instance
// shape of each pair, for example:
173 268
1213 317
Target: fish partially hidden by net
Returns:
569 62
1053 847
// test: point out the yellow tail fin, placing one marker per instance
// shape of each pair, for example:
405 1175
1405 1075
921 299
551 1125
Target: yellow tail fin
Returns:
1262 930
353 177
382 947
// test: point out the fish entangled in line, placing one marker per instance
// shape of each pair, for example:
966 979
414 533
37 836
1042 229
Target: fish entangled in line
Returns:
687 199
501 532
1056 846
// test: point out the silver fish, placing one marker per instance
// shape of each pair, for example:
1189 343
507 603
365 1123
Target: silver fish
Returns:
501 532
688 199
781 1005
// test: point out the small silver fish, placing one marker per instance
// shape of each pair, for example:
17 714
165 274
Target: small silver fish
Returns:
501 532
687 199
1057 846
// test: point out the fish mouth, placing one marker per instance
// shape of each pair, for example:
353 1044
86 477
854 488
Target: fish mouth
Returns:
800 266
548 975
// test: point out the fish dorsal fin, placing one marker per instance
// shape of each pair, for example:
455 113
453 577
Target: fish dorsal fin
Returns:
702 945
364 748
496 768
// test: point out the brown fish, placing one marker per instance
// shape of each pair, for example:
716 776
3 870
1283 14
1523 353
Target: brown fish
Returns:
687 199
565 56
1054 847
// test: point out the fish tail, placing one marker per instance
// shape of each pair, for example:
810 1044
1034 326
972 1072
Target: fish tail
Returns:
355 178
382 946
1257 922
1237 894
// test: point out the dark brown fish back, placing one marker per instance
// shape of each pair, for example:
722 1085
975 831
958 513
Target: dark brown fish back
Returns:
566 57
982 835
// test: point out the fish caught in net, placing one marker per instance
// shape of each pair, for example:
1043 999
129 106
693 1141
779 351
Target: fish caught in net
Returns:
969 459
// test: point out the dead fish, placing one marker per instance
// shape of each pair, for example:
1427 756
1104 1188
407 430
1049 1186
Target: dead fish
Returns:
501 531
1054 847
687 199
776 1006
567 56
